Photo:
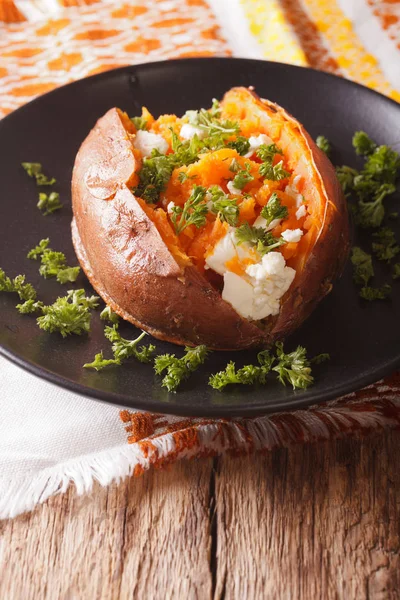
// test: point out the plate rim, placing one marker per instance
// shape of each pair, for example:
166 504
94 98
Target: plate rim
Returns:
307 399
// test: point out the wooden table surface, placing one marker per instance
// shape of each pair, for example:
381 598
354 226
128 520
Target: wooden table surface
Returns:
317 521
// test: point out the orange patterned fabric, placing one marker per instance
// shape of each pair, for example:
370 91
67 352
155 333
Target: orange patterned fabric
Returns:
83 38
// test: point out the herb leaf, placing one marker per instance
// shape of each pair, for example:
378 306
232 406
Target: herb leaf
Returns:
35 170
323 144
243 177
385 248
226 208
371 293
259 237
123 348
49 203
363 144
362 264
247 375
274 209
194 211
241 145
293 368
179 369
396 271
69 314
108 315
17 285
140 123
53 264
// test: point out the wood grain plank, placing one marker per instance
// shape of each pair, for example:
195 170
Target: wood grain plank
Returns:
312 522
147 537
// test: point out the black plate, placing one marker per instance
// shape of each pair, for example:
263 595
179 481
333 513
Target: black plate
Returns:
363 340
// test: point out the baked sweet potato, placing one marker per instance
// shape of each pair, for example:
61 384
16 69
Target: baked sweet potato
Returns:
224 228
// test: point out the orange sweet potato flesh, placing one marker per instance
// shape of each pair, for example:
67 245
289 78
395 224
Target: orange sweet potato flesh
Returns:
133 260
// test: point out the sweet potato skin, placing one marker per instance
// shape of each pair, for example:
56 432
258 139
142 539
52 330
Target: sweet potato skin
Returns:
132 269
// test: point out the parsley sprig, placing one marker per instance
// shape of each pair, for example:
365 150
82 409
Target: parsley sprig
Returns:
247 375
323 144
49 203
363 272
53 264
385 247
193 212
70 314
179 369
226 208
373 183
25 291
35 170
272 172
243 177
293 368
274 209
264 240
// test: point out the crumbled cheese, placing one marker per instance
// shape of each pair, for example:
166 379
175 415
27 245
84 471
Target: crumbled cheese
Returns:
256 141
292 235
293 191
301 212
261 222
188 131
258 296
146 142
170 206
233 190
226 249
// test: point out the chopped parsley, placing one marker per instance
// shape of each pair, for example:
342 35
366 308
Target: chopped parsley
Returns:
385 247
373 183
241 145
140 123
49 203
259 237
274 209
247 375
35 170
362 266
293 368
70 314
193 212
323 144
226 208
122 349
272 172
108 315
53 264
396 271
362 143
371 293
243 177
18 286
179 369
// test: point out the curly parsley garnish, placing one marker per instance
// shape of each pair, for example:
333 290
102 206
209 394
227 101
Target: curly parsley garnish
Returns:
122 349
179 369
373 183
108 315
49 203
385 247
267 169
226 208
362 265
396 271
259 237
35 170
323 144
18 286
70 314
193 212
294 367
241 145
247 375
274 209
243 177
53 264
140 123
363 273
